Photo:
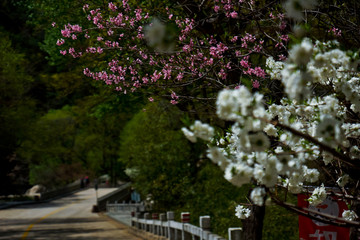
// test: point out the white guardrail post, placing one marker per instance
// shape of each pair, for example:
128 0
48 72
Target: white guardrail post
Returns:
163 231
185 219
146 225
235 234
205 226
170 217
154 230
164 225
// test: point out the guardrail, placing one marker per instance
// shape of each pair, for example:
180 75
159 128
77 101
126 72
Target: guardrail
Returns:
123 207
165 227
61 191
122 193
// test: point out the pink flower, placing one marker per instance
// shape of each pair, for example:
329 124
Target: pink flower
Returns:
60 42
180 76
87 72
258 71
174 102
227 7
285 38
234 14
335 31
216 8
150 99
138 14
63 52
99 50
53 24
222 74
112 6
71 50
145 80
234 39
282 25
173 95
282 57
86 7
255 84
91 50
66 32
244 63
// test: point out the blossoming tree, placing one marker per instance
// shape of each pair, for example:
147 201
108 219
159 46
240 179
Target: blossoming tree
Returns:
194 50
316 122
187 57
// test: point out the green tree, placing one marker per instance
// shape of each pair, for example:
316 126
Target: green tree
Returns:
15 107
161 159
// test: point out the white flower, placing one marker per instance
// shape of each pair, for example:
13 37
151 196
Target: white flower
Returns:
274 68
342 181
349 215
327 157
295 82
259 172
300 54
311 175
242 212
238 174
155 33
329 130
231 103
257 196
259 142
227 105
354 152
202 130
132 172
294 8
295 184
270 130
216 155
189 134
318 196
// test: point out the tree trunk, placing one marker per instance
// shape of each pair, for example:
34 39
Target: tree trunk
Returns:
252 226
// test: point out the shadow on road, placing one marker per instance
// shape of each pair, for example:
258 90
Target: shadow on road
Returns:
53 228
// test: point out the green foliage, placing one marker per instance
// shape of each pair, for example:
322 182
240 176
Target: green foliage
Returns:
212 195
49 148
77 140
15 106
168 167
280 224
153 144
41 14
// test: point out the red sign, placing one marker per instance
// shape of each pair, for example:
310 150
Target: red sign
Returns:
316 230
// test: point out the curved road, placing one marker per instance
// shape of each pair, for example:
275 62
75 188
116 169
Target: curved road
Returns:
65 218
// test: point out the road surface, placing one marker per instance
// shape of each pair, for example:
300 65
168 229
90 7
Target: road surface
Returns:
65 218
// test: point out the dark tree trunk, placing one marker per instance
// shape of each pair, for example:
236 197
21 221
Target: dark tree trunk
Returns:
252 226
355 232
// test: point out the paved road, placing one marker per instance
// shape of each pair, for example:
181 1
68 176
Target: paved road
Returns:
66 218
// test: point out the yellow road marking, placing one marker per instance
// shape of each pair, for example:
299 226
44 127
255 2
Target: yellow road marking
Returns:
47 215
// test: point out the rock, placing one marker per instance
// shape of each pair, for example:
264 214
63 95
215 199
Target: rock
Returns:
35 190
